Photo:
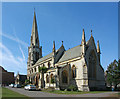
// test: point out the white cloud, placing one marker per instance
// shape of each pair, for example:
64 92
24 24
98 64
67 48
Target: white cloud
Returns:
12 63
22 52
14 39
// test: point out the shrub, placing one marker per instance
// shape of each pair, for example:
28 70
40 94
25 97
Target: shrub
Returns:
50 89
72 88
27 82
43 69
52 80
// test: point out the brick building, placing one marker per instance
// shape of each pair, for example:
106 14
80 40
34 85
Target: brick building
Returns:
6 77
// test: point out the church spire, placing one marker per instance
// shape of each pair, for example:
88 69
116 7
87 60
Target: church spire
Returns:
83 38
34 34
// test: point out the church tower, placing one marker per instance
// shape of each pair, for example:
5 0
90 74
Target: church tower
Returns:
34 50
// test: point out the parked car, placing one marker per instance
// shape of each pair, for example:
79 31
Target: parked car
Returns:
30 87
11 85
17 86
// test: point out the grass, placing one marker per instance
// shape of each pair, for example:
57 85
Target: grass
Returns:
73 92
9 93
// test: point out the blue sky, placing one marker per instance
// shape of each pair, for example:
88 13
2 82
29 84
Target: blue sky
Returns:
57 21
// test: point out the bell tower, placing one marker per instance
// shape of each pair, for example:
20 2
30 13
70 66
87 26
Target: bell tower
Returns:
34 50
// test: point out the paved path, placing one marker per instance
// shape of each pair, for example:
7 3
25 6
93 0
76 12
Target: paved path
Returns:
45 94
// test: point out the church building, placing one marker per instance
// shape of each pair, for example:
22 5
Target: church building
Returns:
79 66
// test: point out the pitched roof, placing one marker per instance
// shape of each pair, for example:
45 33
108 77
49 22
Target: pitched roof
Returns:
71 53
49 55
44 58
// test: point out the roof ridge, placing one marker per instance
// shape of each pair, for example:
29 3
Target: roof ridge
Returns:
73 47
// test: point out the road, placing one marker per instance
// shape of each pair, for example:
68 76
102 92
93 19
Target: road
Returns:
45 94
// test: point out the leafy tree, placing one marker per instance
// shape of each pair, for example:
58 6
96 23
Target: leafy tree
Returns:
27 82
72 88
113 73
52 80
42 70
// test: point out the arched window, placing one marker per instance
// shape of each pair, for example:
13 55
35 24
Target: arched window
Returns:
64 77
35 69
37 55
52 78
43 65
47 78
48 64
73 71
92 65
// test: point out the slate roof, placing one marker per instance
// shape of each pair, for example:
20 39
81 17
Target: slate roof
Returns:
71 53
44 58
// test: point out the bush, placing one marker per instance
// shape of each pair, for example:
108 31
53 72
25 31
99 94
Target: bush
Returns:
72 88
43 69
50 89
27 82
52 80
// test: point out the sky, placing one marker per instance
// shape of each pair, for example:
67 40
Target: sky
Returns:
59 21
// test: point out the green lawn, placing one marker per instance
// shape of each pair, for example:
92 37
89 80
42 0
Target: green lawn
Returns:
9 93
73 92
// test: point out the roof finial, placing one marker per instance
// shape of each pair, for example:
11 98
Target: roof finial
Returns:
83 30
91 32
62 43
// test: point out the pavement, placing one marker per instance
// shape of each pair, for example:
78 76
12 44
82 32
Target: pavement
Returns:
45 94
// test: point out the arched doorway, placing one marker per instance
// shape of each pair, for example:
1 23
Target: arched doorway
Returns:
37 80
47 78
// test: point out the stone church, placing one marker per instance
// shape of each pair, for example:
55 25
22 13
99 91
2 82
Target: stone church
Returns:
79 66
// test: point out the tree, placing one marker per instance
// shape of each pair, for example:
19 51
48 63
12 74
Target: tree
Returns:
113 73
27 82
42 70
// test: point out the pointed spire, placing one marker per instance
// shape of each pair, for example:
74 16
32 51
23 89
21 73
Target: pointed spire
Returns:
83 38
98 47
34 34
53 46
